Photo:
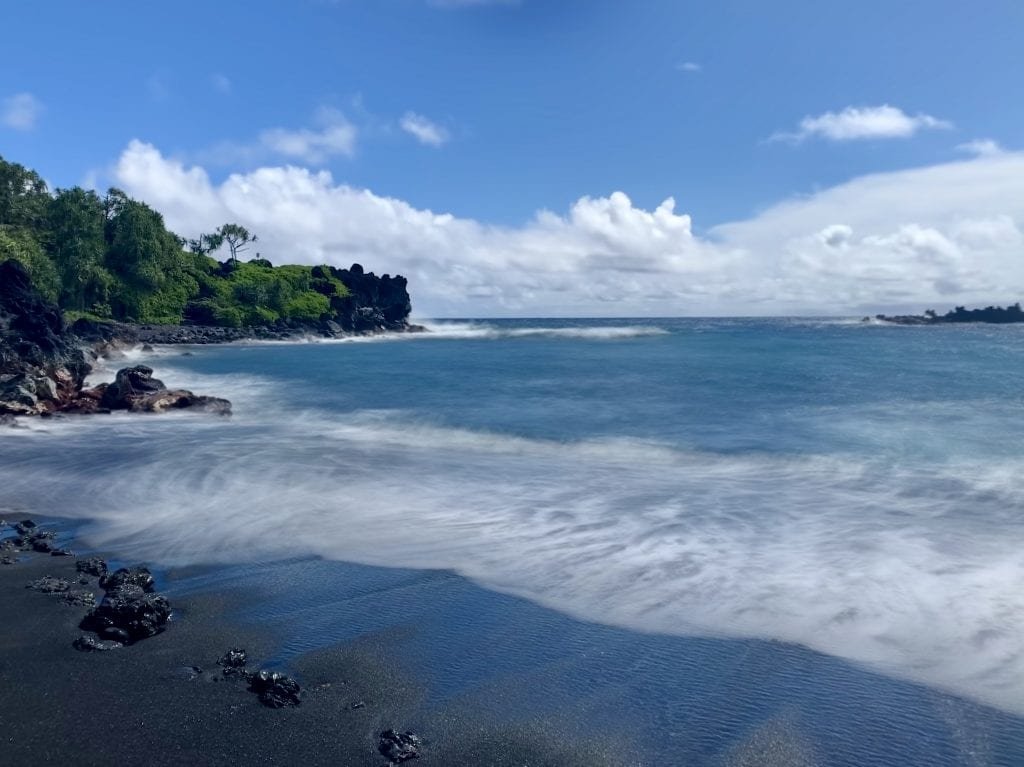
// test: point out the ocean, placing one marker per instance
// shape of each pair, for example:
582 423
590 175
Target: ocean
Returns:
735 541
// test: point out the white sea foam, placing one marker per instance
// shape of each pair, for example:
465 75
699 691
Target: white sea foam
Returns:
483 330
915 570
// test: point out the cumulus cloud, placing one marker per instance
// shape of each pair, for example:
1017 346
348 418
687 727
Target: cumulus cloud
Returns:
859 123
21 111
982 147
689 66
423 129
932 236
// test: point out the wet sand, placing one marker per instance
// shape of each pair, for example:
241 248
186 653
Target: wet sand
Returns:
164 700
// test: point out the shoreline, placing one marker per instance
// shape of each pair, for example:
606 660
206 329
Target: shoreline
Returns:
165 700
402 643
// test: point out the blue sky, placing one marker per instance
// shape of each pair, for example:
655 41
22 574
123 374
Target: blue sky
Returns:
493 111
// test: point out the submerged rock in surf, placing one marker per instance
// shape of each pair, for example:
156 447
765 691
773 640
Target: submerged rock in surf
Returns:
136 390
131 385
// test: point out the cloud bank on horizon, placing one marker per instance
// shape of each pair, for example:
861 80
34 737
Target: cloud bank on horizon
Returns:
931 236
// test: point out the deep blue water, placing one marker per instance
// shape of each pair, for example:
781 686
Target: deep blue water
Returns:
798 536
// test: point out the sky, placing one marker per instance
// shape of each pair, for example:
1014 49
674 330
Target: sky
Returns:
556 157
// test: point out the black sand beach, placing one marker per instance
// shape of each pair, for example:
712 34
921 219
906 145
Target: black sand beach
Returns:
164 700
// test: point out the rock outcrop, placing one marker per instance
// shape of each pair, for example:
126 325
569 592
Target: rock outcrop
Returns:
374 304
42 367
136 390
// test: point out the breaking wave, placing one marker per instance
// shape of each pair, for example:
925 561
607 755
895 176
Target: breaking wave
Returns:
914 570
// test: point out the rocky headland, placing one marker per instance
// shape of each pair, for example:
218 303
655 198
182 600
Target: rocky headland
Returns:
44 362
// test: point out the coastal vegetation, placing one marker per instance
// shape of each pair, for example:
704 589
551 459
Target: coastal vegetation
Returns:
111 258
993 315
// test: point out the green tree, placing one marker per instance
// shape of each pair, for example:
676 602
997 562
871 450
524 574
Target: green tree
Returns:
20 245
205 244
77 245
23 198
237 237
156 281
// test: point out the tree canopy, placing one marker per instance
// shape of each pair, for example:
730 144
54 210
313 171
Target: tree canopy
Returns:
112 257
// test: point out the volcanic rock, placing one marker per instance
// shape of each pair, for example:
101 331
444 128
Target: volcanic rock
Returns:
86 643
92 566
127 576
275 690
131 609
398 747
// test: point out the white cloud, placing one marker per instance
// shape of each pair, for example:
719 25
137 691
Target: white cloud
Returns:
689 66
424 130
21 111
859 123
221 83
332 134
933 236
335 135
983 147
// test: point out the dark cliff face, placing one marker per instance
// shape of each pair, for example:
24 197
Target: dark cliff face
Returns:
41 364
373 304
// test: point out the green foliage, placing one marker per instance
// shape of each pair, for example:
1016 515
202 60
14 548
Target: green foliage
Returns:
20 245
308 306
77 244
112 257
23 197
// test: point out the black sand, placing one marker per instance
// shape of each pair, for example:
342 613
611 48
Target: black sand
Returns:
147 704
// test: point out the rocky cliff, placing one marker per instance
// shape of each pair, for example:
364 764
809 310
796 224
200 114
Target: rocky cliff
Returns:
42 367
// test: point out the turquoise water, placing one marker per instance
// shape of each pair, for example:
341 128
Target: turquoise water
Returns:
710 532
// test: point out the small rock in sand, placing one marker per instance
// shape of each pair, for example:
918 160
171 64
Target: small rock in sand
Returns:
399 747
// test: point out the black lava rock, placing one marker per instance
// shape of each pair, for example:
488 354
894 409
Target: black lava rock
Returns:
115 634
233 659
41 363
92 566
86 643
134 576
130 384
275 690
78 598
398 747
50 585
130 608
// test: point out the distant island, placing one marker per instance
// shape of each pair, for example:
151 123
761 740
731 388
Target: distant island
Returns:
994 315
110 261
